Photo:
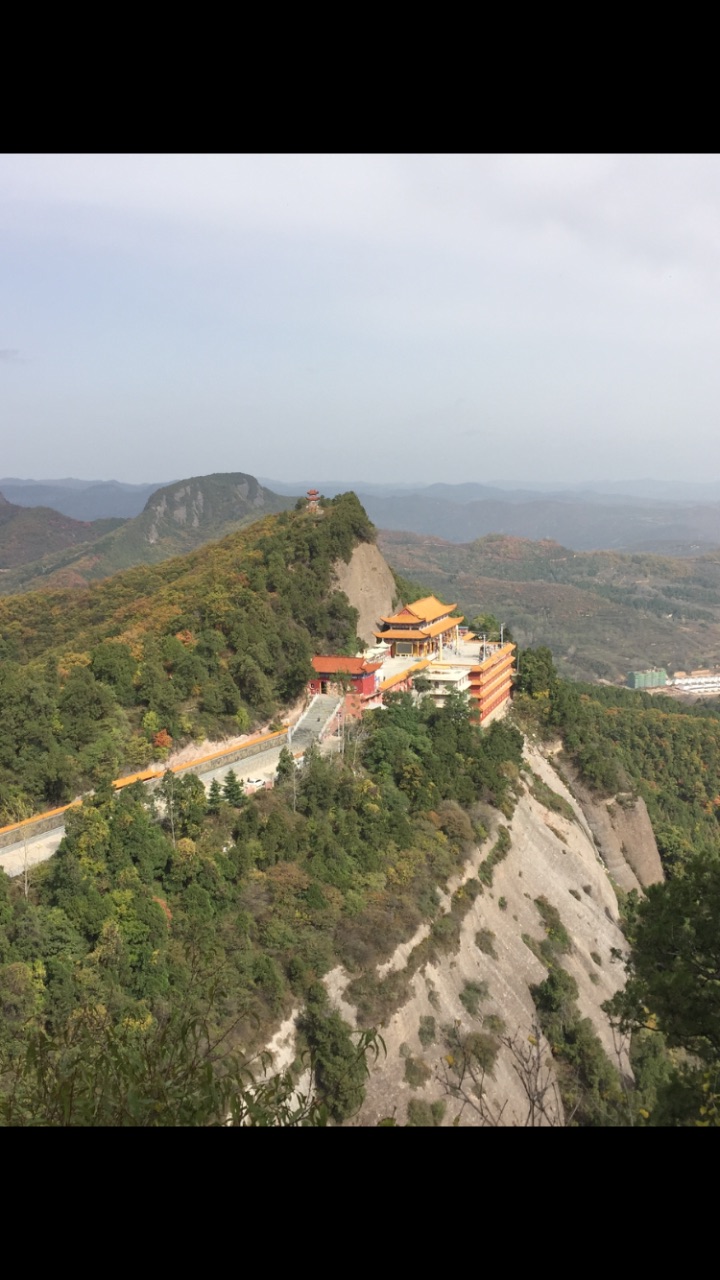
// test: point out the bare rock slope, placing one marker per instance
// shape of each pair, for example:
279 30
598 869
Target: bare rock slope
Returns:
551 856
369 585
623 834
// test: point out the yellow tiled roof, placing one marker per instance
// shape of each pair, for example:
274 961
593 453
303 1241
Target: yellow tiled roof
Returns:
445 624
425 610
430 608
420 633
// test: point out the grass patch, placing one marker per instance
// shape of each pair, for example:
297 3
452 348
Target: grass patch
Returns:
494 1024
474 1052
594 955
376 1000
575 894
557 940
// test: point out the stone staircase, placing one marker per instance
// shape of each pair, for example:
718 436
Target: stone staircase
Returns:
311 724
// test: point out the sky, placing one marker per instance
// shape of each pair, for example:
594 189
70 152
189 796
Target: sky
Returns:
387 318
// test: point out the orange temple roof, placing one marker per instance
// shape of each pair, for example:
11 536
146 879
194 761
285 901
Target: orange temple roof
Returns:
429 609
331 665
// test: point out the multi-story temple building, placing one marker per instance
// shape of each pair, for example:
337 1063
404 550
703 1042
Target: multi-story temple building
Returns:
420 630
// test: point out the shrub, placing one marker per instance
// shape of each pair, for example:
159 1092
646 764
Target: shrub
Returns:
471 1053
472 994
426 1031
554 928
425 1115
550 799
417 1072
484 940
493 1023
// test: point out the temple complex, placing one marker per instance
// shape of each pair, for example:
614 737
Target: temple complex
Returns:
422 640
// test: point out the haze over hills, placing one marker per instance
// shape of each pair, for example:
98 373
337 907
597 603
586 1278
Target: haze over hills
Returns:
81 499
679 519
602 613
667 528
176 519
469 491
670 518
27 534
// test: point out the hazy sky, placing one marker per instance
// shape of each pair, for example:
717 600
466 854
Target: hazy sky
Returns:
386 318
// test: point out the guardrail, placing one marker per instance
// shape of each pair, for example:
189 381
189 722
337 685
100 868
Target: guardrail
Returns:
52 819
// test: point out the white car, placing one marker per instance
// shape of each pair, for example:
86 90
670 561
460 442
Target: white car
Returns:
254 783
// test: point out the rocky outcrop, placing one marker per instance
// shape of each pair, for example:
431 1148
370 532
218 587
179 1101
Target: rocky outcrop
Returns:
551 856
369 586
623 834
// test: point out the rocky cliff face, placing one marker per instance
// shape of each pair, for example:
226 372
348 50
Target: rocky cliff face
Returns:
205 507
369 586
552 856
623 835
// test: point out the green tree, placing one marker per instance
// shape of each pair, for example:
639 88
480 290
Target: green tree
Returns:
675 961
232 789
286 766
214 797
536 672
340 1066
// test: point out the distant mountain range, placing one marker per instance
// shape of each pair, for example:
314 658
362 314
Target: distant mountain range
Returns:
517 490
585 518
176 519
80 499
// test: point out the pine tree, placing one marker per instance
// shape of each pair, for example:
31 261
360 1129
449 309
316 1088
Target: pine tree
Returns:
232 789
214 797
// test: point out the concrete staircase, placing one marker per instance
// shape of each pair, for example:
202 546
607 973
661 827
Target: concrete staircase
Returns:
310 726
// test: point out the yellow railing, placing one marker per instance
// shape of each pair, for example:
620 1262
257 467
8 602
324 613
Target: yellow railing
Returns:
146 775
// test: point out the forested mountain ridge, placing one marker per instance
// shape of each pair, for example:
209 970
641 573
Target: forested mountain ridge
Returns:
150 961
97 680
29 533
176 519
421 861
603 613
